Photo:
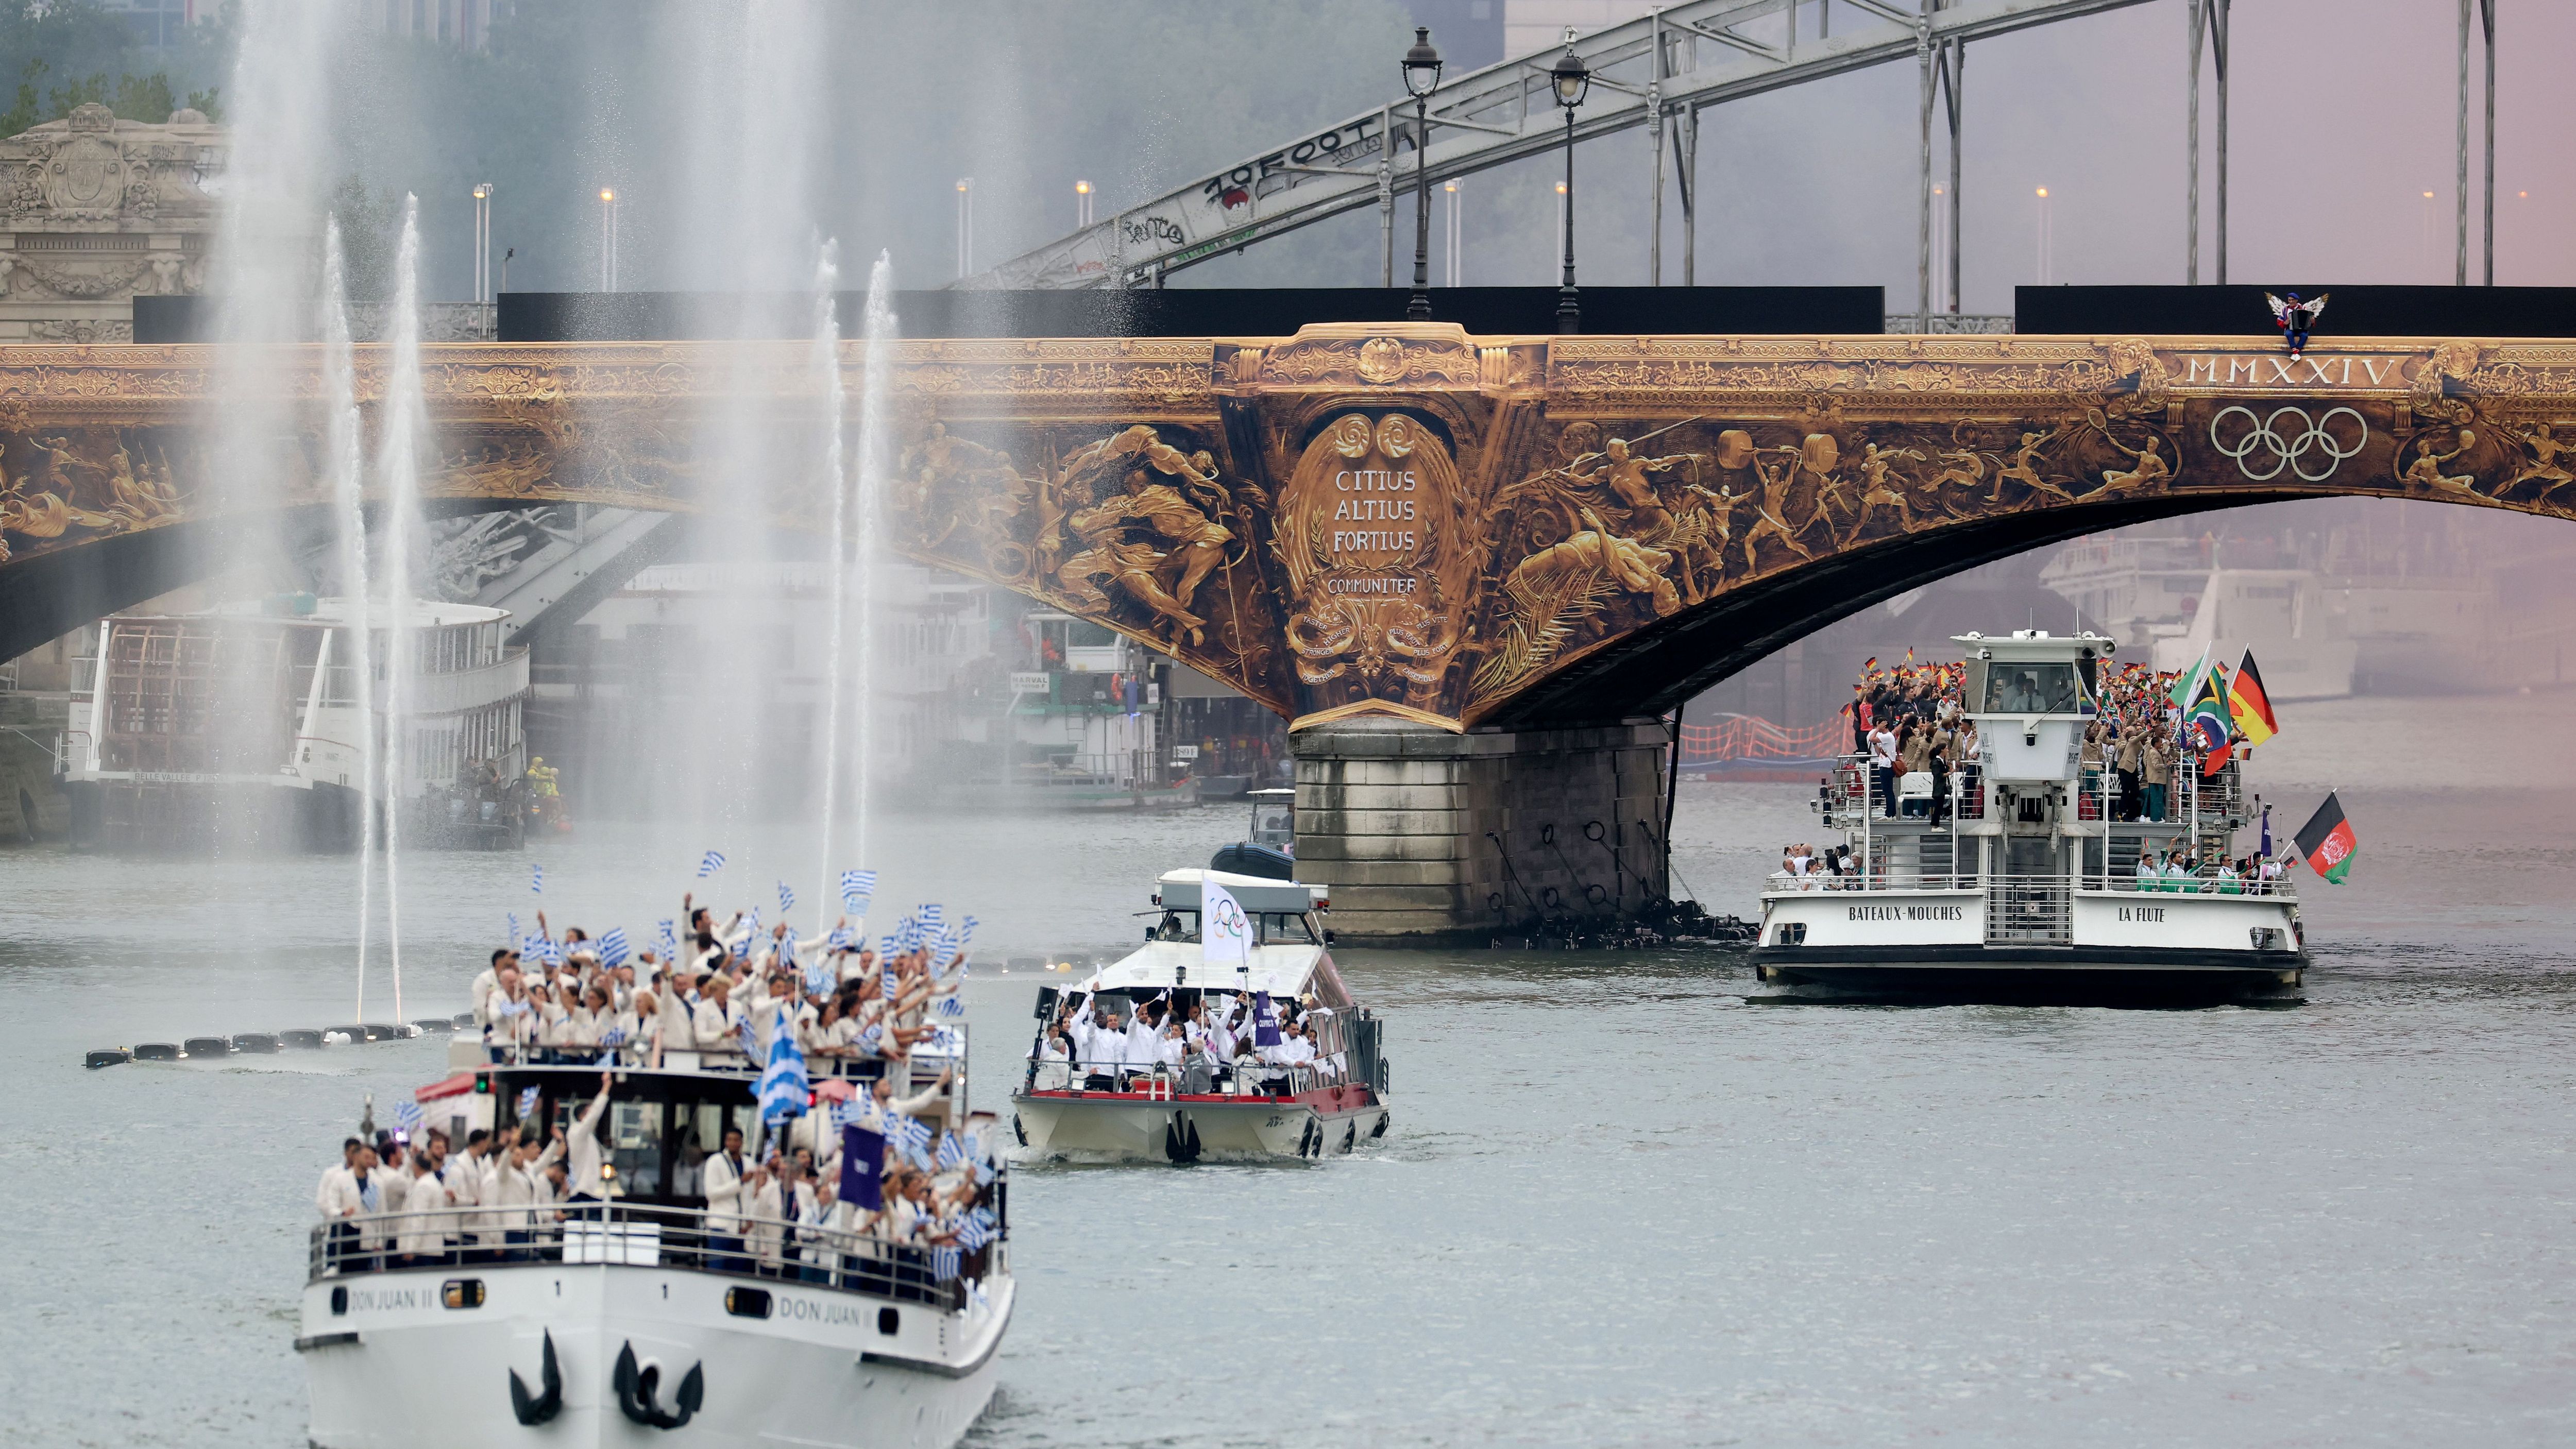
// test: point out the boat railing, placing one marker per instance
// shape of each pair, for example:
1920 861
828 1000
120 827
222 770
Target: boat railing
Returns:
1882 882
2201 882
1055 1074
720 1061
646 1236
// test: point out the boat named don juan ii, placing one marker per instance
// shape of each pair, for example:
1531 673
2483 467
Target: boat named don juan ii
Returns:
2025 884
1263 938
656 1316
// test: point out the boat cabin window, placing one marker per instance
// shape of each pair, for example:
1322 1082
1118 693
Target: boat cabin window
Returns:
1268 928
658 1130
1273 824
2029 688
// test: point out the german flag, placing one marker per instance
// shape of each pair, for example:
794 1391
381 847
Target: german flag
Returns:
2249 706
2326 842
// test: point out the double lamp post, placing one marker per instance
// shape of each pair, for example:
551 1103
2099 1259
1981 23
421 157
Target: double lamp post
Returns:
1571 79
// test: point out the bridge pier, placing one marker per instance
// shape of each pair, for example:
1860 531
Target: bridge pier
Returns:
1432 837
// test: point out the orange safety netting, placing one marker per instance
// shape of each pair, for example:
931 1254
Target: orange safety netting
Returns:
1743 737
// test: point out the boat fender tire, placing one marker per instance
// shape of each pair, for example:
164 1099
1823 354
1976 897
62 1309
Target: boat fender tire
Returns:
1380 1129
535 1409
636 1385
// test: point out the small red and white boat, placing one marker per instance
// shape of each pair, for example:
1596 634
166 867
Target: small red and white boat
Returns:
1271 944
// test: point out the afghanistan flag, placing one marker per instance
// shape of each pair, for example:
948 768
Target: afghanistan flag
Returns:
2327 841
2249 706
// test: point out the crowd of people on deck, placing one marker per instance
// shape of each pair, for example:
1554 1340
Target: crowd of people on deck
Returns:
1200 1042
719 993
714 998
1911 720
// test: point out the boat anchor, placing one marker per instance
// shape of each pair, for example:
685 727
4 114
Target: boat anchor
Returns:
635 1388
535 1409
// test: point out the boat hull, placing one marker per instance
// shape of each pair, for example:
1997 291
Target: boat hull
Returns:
2072 976
1107 1126
397 1370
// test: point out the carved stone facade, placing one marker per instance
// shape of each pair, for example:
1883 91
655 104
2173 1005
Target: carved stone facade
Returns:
97 212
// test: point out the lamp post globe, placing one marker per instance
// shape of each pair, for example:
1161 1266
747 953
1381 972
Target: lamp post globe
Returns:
1572 79
1421 77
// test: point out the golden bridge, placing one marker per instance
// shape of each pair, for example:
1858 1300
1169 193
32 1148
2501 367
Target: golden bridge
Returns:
1472 571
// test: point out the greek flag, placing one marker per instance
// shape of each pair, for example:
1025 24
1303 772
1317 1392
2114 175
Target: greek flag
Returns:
908 1133
974 1146
670 942
407 1117
851 1114
616 1037
943 1263
612 948
945 952
818 976
710 863
951 1006
858 889
750 1043
552 952
840 940
983 1218
787 948
951 1156
887 978
514 926
967 934
871 1037
528 1103
786 899
972 1237
932 916
536 880
783 1086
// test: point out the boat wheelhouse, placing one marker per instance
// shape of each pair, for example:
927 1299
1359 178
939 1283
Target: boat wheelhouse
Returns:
652 1316
243 722
2022 884
1133 1111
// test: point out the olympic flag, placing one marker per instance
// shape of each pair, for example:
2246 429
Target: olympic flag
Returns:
1225 937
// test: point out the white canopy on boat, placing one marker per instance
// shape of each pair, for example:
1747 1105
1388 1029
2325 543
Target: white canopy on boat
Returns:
1178 890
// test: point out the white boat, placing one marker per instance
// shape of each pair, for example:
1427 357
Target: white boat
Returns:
243 721
1284 1111
643 1321
2027 889
2283 616
2165 599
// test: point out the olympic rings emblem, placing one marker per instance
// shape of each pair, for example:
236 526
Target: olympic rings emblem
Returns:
2295 450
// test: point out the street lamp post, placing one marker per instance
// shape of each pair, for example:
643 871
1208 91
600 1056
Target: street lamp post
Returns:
483 241
965 226
607 239
1572 79
1421 76
1456 244
1082 203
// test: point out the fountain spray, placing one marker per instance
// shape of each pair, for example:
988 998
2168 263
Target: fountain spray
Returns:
826 357
345 462
876 462
406 427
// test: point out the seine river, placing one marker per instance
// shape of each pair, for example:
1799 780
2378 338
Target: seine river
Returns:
1618 1206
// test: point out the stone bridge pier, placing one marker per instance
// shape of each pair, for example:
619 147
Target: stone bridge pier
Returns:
1430 836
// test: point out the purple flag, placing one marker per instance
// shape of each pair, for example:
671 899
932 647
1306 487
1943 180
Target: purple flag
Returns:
862 1165
1265 1020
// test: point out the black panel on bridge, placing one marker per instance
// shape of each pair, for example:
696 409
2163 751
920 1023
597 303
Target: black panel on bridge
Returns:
1186 312
2233 311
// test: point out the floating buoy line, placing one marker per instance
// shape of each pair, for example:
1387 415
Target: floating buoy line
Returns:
270 1043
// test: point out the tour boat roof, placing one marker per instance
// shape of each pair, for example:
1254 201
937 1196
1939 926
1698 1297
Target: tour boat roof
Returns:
1178 890
1279 969
2033 646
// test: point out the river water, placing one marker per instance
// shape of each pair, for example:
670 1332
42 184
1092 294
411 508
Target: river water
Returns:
1618 1206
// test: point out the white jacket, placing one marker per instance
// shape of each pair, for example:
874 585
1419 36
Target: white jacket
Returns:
582 1168
723 1178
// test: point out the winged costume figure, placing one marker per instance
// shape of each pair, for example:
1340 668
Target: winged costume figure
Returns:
2295 317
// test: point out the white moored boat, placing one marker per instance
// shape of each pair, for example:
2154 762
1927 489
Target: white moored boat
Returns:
2027 887
645 1320
1079 1109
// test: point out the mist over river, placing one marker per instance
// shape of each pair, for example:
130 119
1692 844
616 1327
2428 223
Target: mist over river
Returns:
1618 1206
